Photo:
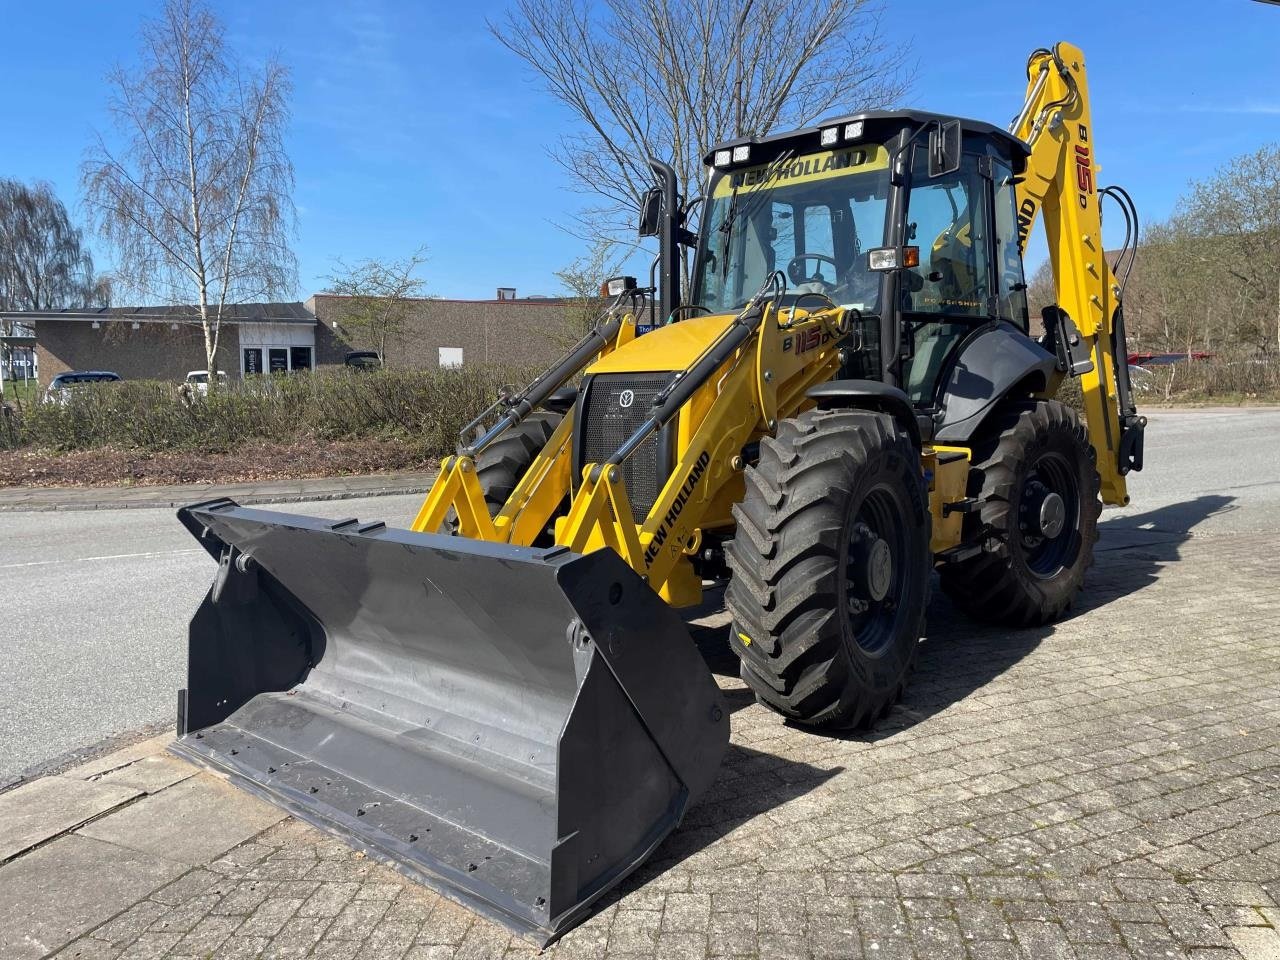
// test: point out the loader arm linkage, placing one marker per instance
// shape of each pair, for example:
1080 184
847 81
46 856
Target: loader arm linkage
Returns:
1060 184
754 377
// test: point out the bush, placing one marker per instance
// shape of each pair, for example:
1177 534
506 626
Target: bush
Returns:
426 408
1224 378
1229 378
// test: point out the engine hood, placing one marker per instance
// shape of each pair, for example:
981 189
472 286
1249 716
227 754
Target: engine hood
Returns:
672 347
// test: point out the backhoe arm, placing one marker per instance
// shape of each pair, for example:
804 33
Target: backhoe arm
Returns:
1060 183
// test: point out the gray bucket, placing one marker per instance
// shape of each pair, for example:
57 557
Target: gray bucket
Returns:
518 728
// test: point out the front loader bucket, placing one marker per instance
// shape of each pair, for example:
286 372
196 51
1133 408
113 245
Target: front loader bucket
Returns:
516 727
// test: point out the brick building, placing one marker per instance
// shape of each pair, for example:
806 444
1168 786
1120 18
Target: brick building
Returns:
164 343
507 329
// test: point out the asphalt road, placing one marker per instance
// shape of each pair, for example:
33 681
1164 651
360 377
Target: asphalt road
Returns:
94 605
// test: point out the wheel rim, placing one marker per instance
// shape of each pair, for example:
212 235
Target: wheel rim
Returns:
875 570
1049 515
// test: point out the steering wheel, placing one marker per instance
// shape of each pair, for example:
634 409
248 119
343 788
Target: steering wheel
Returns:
798 277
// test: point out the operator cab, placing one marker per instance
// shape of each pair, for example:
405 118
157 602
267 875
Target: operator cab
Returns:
906 219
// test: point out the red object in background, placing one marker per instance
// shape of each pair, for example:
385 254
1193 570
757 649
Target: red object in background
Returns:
1156 359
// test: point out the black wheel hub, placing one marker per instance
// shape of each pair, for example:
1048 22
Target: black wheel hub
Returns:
1048 515
874 575
872 566
1043 513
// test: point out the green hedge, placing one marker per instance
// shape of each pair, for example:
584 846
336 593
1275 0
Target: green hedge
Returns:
425 408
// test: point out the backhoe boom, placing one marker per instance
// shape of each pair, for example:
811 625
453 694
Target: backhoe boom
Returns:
1060 184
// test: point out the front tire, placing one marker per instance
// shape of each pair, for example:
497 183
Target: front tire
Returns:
502 465
830 568
1037 481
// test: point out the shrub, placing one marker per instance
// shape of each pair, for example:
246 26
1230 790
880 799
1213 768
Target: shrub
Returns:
425 408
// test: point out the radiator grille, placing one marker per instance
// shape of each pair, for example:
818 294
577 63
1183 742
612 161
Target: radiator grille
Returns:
606 423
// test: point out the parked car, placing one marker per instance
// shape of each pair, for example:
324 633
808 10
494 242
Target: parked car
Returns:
59 389
363 359
199 380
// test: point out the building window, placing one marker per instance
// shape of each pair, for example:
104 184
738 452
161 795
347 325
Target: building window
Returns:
252 360
450 356
278 360
299 358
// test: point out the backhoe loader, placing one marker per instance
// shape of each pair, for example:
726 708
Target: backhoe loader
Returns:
503 701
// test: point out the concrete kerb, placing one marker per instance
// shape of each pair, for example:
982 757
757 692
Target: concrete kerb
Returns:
46 499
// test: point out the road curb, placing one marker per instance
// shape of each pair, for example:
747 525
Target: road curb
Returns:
118 499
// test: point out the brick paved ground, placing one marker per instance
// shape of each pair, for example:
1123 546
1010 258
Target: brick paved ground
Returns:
1102 789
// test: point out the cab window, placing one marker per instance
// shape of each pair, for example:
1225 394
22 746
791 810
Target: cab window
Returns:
1012 303
947 220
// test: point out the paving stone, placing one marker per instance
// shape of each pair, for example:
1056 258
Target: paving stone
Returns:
152 746
328 899
193 822
1256 943
634 931
731 934
1042 941
296 937
269 917
151 946
207 936
51 895
43 809
1192 925
88 948
1087 923
149 774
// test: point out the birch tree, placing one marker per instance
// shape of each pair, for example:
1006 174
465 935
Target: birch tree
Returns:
195 190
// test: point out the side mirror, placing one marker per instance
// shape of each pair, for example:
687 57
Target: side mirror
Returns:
944 148
651 213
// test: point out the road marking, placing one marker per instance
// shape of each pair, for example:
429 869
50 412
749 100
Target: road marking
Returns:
114 556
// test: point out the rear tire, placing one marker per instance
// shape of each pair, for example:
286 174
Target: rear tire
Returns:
830 568
1025 576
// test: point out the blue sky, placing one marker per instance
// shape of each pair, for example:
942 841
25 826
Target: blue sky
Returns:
411 125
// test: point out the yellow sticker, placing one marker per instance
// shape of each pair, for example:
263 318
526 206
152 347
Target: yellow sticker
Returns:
804 169
746 641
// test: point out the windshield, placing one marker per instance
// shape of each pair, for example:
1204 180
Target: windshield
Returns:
813 216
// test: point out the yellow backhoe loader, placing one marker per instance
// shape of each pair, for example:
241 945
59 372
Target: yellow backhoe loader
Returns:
502 701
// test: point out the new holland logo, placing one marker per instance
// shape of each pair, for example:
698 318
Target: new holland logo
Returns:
626 398
677 506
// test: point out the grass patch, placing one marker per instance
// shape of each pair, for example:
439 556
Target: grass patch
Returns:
21 393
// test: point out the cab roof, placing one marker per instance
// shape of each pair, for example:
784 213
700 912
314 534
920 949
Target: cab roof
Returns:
878 126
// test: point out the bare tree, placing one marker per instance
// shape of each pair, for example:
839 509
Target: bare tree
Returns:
1234 216
197 199
381 295
44 264
581 280
672 77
